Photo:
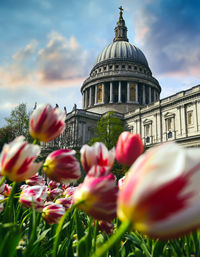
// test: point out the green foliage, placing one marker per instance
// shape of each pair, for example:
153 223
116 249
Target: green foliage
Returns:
6 135
19 121
108 130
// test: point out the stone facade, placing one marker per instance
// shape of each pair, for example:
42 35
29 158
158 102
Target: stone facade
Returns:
121 81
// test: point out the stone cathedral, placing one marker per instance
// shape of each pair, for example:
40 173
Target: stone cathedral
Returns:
121 81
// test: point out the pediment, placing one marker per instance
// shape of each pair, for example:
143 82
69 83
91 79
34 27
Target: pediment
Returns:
147 121
169 115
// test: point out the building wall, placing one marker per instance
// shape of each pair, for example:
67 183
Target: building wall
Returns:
176 118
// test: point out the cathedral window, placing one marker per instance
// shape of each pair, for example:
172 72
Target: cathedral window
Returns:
190 118
123 66
147 130
104 68
129 67
132 92
99 94
116 66
169 123
110 67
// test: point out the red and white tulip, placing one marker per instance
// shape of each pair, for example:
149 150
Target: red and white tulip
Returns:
62 166
17 160
46 123
99 195
129 147
53 212
34 197
97 154
161 195
65 202
35 180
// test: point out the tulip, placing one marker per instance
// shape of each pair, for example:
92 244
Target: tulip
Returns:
17 160
53 212
7 190
69 191
53 194
2 187
46 123
34 197
97 154
121 182
99 195
35 180
52 184
105 226
160 196
62 166
1 204
98 171
65 202
129 148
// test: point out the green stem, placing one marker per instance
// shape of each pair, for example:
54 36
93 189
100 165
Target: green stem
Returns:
2 180
112 240
59 228
35 141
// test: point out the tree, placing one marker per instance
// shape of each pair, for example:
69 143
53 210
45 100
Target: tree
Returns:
19 121
108 130
6 135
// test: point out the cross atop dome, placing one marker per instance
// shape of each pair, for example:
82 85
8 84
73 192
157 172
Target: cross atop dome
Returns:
121 29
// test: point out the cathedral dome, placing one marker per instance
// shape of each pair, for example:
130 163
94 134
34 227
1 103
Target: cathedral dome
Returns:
122 50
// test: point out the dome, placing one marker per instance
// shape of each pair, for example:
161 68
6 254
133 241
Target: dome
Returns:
122 50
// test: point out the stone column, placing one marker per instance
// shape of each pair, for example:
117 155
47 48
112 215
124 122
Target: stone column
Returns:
128 92
103 93
144 95
83 100
86 98
111 92
149 95
90 97
136 93
196 110
119 92
95 97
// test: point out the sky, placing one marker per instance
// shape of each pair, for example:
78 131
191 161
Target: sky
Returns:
48 47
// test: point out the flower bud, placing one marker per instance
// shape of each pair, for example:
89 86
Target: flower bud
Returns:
62 166
129 148
53 194
46 123
160 195
97 154
99 195
53 212
17 160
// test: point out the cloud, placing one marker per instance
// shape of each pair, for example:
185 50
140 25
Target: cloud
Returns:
168 33
61 62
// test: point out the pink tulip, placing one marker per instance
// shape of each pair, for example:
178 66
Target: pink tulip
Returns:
53 184
62 166
160 195
99 195
35 180
53 212
129 148
46 123
17 160
53 194
69 191
34 197
97 154
7 190
65 202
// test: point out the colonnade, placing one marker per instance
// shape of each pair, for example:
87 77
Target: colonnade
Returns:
90 96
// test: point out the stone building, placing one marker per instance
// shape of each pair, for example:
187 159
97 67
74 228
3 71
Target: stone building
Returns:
121 81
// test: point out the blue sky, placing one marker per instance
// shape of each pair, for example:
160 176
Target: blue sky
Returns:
48 47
